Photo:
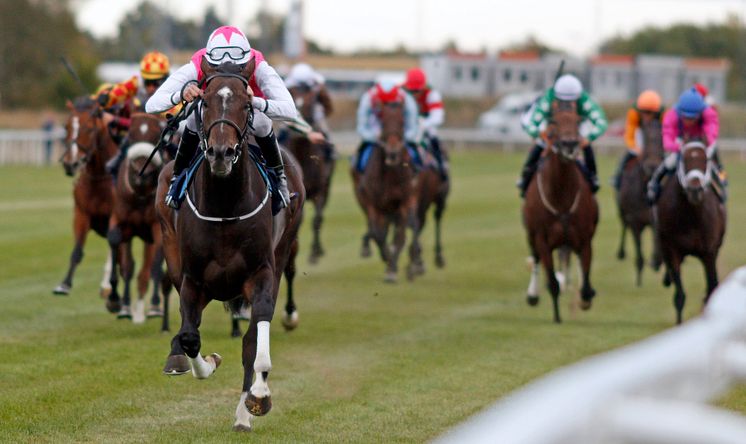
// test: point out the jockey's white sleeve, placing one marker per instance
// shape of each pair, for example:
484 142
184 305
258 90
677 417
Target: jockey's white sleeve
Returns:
279 103
436 116
169 94
367 124
410 119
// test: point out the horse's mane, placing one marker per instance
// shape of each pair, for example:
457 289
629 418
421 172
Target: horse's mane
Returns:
83 103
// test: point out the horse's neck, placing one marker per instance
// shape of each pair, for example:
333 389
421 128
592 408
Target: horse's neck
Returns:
560 180
105 149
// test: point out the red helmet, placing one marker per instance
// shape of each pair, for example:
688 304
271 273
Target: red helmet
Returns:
387 91
702 89
415 79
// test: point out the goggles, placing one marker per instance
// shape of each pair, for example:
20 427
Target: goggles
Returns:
219 53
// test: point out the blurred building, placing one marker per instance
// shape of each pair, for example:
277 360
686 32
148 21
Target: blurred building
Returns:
610 78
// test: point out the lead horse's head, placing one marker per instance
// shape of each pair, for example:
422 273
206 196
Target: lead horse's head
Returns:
391 117
227 114
652 142
83 128
563 133
694 171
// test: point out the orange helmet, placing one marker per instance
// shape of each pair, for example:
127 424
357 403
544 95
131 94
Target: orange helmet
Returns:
649 100
415 79
154 65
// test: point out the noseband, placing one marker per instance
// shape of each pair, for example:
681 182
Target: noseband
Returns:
242 133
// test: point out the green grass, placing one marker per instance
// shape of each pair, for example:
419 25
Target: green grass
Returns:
370 362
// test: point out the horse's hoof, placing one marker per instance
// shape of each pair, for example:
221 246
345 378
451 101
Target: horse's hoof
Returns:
411 273
390 277
585 305
61 290
124 312
236 333
532 300
440 262
258 406
290 321
621 255
113 306
365 252
214 359
154 312
104 292
313 259
176 365
241 428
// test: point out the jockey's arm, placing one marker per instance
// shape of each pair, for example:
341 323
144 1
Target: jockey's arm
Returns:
538 115
411 112
278 104
631 129
670 130
436 112
591 111
710 125
365 128
168 95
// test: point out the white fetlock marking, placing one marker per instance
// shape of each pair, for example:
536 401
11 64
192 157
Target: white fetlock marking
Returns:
243 417
260 388
533 284
105 284
262 363
201 369
138 314
292 318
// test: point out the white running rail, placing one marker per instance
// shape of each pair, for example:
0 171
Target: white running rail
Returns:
29 146
654 391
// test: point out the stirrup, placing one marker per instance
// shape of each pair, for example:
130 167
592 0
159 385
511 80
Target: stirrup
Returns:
172 198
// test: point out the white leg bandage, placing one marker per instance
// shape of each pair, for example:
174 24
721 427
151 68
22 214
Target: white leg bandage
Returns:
201 369
243 417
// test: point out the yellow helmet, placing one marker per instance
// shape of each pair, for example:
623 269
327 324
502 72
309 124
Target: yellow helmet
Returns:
154 65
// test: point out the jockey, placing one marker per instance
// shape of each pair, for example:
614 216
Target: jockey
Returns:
431 112
270 99
369 125
303 76
691 119
648 107
133 93
569 89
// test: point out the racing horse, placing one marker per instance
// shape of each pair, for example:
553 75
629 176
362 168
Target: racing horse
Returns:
225 244
432 189
690 220
134 215
89 144
316 160
386 190
634 211
560 211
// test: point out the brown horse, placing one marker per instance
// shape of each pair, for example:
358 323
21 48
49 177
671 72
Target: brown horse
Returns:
634 211
89 145
690 221
225 243
431 189
386 190
560 211
134 216
317 164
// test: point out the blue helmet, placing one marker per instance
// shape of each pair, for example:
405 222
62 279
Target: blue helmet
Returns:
691 104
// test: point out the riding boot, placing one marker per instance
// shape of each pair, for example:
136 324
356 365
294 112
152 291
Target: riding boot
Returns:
654 185
416 156
438 154
529 168
271 152
628 155
590 164
722 176
112 165
359 167
184 155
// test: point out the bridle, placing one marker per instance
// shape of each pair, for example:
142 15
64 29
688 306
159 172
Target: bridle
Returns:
686 176
74 147
242 133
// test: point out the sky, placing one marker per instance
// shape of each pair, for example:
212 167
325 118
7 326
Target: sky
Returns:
577 26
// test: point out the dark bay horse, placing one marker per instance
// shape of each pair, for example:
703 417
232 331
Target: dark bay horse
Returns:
134 216
432 189
560 211
89 145
634 211
224 243
317 164
386 190
690 221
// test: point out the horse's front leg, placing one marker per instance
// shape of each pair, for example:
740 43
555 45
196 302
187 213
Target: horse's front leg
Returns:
114 238
193 301
586 291
316 249
673 263
400 237
128 270
256 398
711 274
416 266
547 260
81 225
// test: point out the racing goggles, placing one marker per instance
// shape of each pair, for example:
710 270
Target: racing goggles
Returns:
220 53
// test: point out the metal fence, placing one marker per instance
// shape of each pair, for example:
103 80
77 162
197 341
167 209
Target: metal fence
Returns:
655 391
35 147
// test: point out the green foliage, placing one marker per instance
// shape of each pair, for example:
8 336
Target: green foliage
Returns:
370 362
33 36
713 40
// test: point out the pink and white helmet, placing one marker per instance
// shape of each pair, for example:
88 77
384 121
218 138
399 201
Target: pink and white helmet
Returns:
227 44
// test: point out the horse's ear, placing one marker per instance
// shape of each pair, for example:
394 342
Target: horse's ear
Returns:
248 70
69 105
206 67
